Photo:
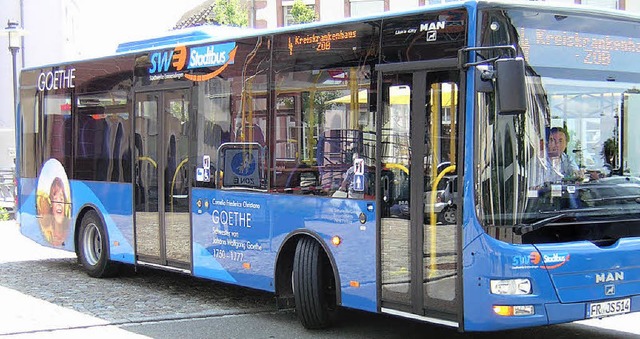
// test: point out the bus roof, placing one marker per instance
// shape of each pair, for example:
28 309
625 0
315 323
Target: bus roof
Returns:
183 36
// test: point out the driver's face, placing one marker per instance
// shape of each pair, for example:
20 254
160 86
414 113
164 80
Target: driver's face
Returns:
557 144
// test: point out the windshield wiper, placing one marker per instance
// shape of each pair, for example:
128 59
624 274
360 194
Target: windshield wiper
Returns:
526 228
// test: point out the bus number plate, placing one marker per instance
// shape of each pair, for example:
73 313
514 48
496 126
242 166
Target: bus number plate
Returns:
607 308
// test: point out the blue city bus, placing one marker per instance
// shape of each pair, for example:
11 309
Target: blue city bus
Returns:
469 164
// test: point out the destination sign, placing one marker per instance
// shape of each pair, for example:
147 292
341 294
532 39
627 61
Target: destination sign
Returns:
570 49
321 42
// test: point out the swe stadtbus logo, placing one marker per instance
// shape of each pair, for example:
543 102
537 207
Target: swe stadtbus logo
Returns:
535 260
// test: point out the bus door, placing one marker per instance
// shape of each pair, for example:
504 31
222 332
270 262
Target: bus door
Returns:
419 223
161 193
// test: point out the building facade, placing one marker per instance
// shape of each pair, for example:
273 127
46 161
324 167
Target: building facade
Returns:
271 14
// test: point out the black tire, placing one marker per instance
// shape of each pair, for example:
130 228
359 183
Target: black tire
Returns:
448 215
313 285
93 247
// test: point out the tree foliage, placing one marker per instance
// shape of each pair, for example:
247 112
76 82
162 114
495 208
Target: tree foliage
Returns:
230 13
301 13
610 151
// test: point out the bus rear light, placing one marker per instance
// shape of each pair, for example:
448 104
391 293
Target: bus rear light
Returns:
511 287
509 311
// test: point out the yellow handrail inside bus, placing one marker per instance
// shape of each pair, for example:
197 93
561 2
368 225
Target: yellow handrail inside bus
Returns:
173 181
401 167
432 218
436 122
153 162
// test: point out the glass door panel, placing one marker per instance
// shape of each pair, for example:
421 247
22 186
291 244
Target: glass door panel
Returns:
396 180
146 190
440 194
419 218
161 195
176 177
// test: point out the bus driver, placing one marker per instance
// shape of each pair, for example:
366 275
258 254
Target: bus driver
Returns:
561 164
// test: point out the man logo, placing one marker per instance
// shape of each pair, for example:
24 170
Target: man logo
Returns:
609 277
609 289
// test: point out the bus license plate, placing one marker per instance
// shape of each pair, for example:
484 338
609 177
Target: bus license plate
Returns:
607 308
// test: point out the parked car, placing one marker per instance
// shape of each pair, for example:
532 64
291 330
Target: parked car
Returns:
396 193
444 206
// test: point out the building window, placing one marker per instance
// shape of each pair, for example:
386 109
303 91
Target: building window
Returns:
565 2
403 5
287 18
610 4
366 7
436 2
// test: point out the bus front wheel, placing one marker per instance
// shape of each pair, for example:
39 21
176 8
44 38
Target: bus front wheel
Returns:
313 285
93 247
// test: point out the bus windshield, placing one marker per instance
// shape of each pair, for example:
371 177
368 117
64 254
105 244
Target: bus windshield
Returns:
564 170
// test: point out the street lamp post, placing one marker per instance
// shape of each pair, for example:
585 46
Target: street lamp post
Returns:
15 40
14 34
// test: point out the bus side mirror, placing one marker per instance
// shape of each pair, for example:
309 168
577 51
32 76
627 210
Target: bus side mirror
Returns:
511 92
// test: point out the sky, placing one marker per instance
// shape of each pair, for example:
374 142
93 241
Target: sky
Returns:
105 24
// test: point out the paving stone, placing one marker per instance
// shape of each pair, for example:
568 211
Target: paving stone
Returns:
141 296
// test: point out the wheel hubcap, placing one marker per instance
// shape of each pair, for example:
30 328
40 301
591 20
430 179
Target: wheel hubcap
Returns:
92 244
450 216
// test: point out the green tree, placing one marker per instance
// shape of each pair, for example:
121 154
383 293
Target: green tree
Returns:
229 13
301 13
610 151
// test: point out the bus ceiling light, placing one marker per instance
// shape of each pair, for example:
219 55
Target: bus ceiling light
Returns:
509 311
511 287
336 240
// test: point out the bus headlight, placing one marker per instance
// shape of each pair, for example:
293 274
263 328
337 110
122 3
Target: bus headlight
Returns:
511 286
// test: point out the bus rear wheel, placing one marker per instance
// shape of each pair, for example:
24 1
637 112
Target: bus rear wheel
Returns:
93 247
313 285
